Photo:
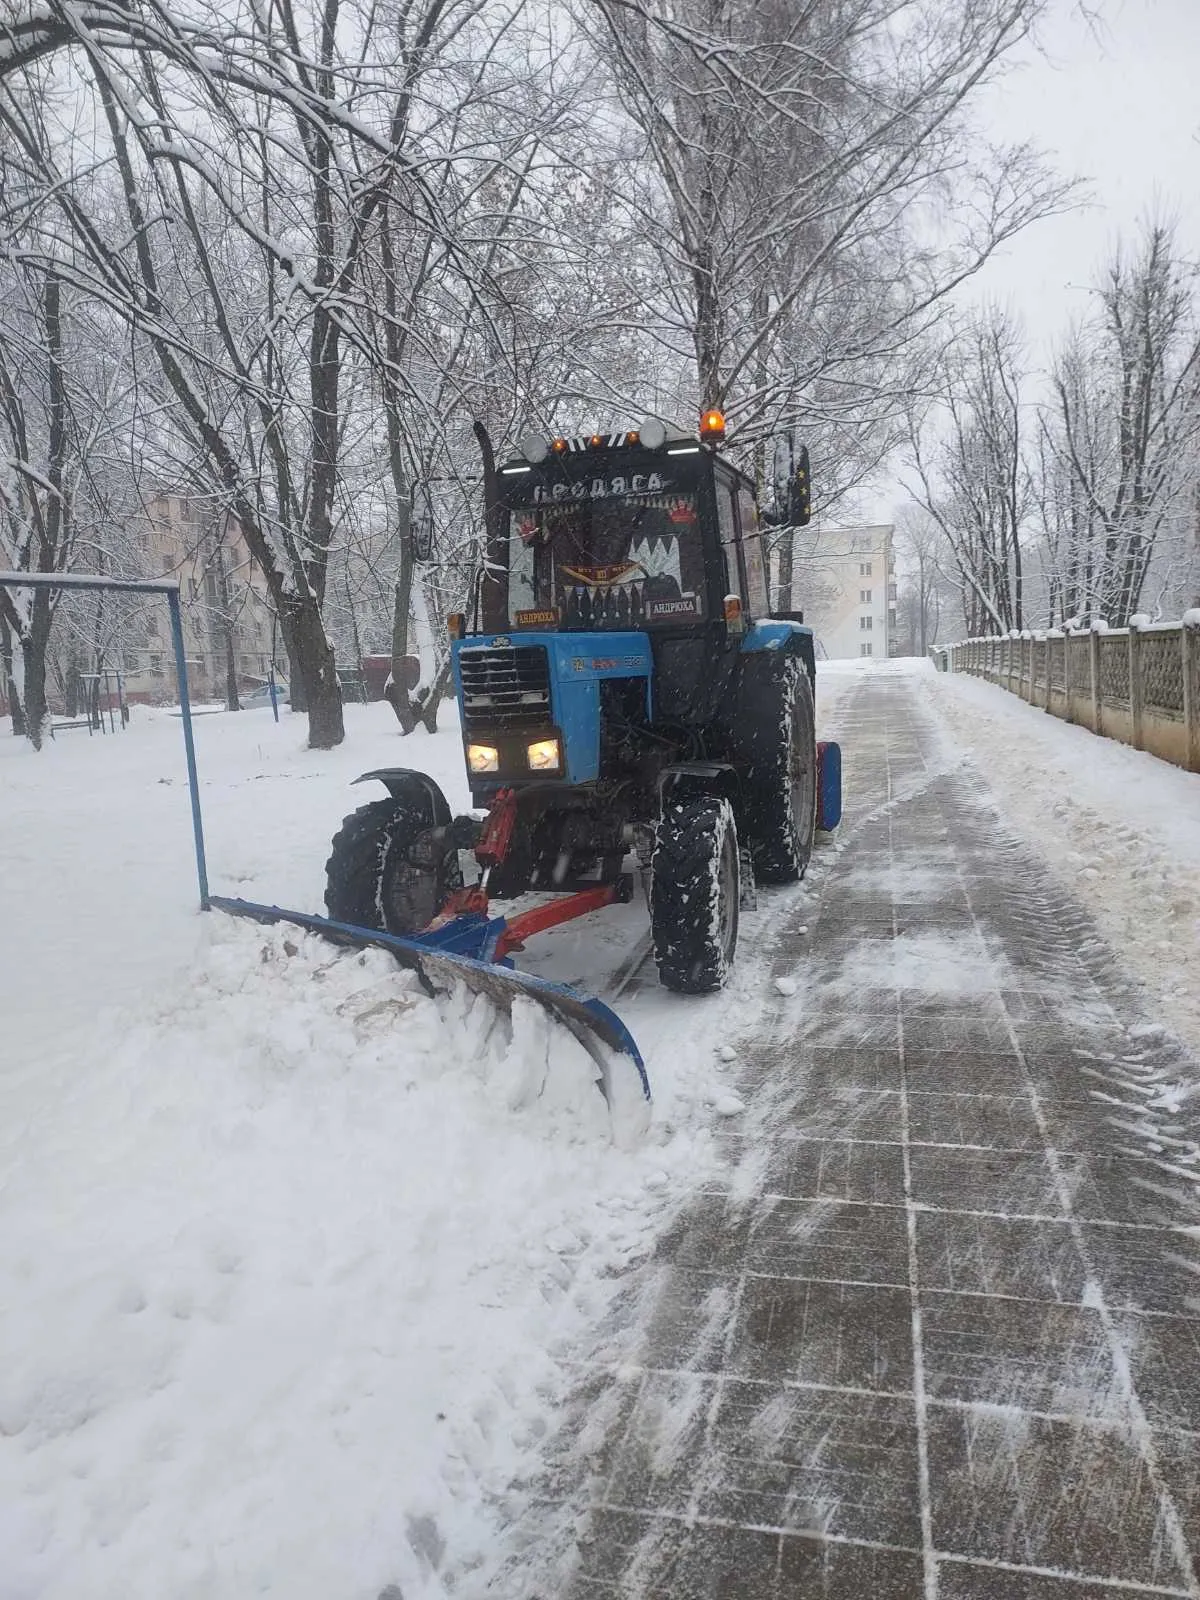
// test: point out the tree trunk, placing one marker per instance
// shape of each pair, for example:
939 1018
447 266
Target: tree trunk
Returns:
15 704
33 659
787 548
429 706
398 696
310 656
232 702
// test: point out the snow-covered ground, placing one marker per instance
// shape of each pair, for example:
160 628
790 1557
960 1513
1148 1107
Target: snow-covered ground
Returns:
1121 827
292 1264
292 1267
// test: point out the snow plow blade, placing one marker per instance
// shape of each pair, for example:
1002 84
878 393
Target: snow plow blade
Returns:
597 1028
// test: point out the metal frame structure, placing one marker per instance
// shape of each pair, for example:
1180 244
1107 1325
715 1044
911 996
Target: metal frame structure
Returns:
170 588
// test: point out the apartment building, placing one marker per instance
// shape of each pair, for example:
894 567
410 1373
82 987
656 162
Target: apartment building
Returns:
227 615
844 581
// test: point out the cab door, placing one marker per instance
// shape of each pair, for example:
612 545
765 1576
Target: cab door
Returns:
756 600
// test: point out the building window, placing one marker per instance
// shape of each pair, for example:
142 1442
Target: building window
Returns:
865 649
864 597
864 569
865 624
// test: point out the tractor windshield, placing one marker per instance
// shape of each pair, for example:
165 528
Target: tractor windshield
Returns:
627 561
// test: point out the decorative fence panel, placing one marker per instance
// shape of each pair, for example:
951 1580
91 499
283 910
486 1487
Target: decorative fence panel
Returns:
1114 669
1140 685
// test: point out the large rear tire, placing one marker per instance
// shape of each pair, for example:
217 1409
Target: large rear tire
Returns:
694 894
781 741
369 880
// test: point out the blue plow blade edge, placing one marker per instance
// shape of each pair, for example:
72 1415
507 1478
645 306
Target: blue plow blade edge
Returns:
458 953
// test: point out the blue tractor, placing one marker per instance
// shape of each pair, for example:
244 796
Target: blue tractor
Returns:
625 692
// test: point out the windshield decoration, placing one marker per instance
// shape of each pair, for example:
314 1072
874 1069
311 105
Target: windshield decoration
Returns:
605 556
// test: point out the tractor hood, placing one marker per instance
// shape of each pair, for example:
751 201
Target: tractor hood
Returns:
517 691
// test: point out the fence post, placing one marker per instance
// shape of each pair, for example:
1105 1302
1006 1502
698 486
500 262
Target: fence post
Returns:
1136 695
1094 663
1189 644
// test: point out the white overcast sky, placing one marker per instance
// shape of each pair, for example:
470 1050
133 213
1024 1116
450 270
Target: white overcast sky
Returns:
1116 103
1119 105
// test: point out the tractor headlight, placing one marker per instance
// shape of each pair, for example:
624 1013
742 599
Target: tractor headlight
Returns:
544 756
483 758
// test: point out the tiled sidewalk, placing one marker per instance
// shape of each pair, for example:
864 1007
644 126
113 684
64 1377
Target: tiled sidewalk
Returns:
950 1344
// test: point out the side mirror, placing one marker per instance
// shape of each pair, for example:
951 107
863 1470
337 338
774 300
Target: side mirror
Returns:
791 481
781 470
422 522
799 500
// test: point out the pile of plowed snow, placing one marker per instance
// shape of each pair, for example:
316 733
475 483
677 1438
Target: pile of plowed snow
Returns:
290 1260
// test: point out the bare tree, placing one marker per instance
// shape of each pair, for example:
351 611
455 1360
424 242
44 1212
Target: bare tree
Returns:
795 152
972 479
57 414
1120 439
262 170
920 543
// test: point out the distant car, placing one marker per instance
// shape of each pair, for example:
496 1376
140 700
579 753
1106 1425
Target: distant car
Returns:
260 695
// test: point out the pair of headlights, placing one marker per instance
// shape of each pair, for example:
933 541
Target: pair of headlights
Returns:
543 755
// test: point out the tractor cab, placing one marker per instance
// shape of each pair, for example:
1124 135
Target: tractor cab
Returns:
624 531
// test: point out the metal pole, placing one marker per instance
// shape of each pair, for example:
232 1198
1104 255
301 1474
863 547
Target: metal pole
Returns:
185 708
274 694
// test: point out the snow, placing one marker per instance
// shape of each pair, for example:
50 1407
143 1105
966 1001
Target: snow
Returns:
294 1258
1120 827
728 1105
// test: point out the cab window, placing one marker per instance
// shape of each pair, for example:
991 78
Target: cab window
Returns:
756 568
629 562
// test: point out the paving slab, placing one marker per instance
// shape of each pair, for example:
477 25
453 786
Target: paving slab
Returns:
935 1333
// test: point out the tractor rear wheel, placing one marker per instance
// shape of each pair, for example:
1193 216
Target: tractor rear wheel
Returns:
782 806
369 880
694 894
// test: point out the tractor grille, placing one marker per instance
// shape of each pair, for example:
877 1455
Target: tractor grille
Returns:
505 688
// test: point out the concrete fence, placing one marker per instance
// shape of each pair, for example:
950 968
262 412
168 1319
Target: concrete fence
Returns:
1139 684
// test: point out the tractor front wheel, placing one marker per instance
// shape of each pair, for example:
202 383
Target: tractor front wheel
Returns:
694 894
369 879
